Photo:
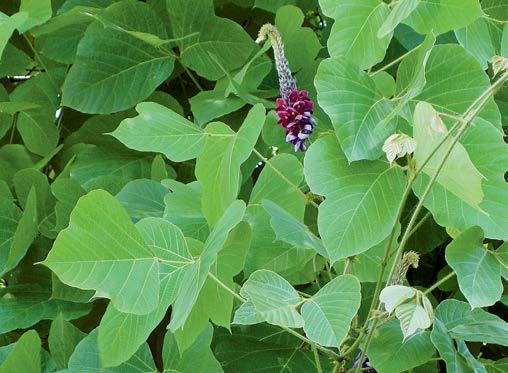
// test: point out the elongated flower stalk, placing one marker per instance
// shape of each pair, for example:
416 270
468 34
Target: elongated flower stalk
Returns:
294 108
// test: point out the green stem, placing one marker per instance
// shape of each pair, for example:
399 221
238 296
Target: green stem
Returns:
316 359
443 280
395 61
325 350
420 223
191 75
13 127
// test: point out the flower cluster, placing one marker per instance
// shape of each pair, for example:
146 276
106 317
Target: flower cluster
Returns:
294 107
295 115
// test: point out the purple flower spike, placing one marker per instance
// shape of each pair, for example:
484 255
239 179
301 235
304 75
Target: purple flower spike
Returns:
295 115
294 107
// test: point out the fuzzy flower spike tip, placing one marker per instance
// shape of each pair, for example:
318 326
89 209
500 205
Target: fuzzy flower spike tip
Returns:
294 108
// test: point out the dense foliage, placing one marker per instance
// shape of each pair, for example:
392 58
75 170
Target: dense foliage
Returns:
164 207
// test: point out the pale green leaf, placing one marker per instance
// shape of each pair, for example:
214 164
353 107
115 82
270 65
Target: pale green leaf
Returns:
114 70
38 11
102 250
143 198
329 312
478 271
361 202
288 229
273 298
194 278
360 115
8 25
218 165
159 129
86 358
394 295
62 340
25 356
121 334
447 351
399 12
440 16
354 33
402 354
412 317
458 170
477 40
202 34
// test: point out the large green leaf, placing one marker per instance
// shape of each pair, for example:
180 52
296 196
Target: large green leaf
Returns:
354 33
86 358
114 70
198 358
273 299
102 250
362 198
476 39
478 271
440 16
264 345
121 334
206 38
399 12
194 278
402 354
63 338
218 165
288 229
38 11
143 198
474 325
7 27
22 306
447 350
25 356
18 231
159 129
329 312
359 113
429 133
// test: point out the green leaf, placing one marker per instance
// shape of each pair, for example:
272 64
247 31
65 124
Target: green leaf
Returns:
14 157
273 298
447 351
86 358
400 11
429 133
412 317
402 354
67 193
359 114
38 11
439 16
194 278
183 208
109 168
288 229
22 306
18 231
301 44
198 357
121 334
264 346
25 355
354 33
102 250
8 25
159 129
361 202
329 312
218 165
476 39
62 340
478 271
474 325
143 198
202 34
110 62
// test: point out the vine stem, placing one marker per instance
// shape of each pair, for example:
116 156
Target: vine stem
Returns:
467 117
41 62
325 350
316 359
439 282
395 61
